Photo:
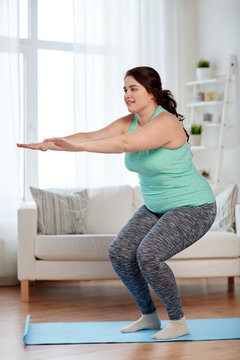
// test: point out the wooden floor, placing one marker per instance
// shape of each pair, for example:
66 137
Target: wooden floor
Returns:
110 301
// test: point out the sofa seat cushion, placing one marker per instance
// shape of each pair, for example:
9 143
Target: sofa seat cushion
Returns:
95 247
73 247
213 245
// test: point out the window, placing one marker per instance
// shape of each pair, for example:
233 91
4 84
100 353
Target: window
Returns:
51 93
47 90
72 66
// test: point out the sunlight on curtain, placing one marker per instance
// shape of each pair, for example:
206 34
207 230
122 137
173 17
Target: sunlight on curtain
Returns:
55 116
110 36
55 20
10 119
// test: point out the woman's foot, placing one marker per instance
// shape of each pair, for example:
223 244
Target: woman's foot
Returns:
174 329
149 321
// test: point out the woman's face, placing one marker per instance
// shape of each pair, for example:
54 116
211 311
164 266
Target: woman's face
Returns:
136 96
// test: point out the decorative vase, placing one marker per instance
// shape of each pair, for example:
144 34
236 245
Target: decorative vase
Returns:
203 73
195 139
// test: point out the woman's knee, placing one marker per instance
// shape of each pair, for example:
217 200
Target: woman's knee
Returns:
145 256
113 250
117 252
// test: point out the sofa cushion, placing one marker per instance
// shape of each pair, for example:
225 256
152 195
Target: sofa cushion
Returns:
95 247
226 201
73 247
213 245
109 209
60 213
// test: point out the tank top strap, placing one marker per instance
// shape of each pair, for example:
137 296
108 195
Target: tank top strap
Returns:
134 124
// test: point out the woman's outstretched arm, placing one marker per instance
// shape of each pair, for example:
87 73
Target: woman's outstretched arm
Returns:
162 130
117 127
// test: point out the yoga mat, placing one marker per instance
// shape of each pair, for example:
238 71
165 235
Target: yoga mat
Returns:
110 332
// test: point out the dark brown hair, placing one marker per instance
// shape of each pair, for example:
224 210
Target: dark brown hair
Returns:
150 79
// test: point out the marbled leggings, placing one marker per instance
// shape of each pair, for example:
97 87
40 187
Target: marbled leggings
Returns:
139 252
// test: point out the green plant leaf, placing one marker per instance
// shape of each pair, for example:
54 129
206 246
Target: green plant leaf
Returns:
203 63
196 129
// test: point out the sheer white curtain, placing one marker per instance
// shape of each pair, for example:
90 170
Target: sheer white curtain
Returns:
10 118
111 36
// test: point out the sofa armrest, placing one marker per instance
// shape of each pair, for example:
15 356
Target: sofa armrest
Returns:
237 218
27 231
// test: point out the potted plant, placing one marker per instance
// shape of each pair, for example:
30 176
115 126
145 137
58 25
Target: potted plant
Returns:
196 131
203 70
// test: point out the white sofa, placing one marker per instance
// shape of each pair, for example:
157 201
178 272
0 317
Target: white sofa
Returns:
79 257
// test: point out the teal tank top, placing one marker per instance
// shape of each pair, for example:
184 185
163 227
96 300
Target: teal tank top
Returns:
168 177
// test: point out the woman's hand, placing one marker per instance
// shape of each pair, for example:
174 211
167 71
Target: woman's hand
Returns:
57 144
42 146
63 144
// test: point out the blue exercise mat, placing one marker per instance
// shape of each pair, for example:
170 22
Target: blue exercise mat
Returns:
110 332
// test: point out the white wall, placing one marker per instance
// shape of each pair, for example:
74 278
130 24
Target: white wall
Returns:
218 30
211 29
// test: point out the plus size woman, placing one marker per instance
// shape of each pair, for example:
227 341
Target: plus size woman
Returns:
179 206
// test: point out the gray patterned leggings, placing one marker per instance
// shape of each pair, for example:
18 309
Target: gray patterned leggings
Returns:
139 252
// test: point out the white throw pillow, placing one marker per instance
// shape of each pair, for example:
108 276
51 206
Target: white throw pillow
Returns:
226 201
60 213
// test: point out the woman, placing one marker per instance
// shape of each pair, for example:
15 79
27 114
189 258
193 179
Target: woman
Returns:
179 206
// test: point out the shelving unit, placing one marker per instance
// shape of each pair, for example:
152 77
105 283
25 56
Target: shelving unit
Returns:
208 81
223 124
204 103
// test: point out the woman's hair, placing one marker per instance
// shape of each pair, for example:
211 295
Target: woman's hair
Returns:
150 79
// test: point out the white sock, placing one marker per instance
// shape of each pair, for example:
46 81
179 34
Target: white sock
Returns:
174 329
150 321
